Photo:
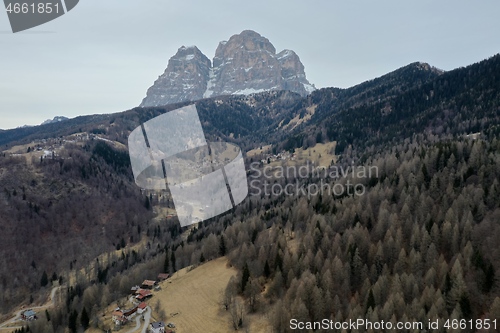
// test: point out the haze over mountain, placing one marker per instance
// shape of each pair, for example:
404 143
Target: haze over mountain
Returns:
247 63
56 119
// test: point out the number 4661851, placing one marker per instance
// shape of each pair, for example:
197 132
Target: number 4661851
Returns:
39 8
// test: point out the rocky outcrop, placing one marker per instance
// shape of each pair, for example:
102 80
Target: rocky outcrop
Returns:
293 74
185 79
56 119
246 63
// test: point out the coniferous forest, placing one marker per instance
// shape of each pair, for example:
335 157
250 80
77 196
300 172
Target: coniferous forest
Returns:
421 243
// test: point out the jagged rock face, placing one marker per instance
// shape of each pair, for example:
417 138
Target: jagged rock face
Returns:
293 74
245 64
185 79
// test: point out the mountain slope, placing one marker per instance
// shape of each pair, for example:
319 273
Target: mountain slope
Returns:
413 100
61 209
436 185
253 117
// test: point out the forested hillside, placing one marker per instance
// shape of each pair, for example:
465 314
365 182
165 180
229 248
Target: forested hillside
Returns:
59 213
420 243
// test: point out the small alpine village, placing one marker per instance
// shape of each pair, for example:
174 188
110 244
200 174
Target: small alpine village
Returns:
138 310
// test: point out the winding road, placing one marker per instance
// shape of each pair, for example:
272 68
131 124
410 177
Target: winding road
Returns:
51 303
17 317
147 318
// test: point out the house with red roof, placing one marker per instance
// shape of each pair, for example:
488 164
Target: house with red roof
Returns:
148 284
141 307
163 276
143 294
119 318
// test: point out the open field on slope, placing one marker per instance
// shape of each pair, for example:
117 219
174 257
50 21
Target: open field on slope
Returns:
191 299
322 154
297 120
259 150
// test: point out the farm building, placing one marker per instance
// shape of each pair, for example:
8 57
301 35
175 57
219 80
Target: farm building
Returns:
129 313
158 327
148 284
143 294
163 276
118 318
28 315
141 307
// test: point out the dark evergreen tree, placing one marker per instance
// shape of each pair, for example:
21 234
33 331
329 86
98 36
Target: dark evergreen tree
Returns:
84 319
222 246
172 260
465 306
267 270
72 321
245 277
44 280
166 264
370 303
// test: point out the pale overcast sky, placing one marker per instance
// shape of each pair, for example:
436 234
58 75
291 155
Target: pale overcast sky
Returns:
103 55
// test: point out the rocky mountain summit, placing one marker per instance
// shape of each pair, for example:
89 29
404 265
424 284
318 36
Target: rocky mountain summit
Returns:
56 119
246 63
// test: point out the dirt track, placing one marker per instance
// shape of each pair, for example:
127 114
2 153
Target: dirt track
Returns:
10 324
